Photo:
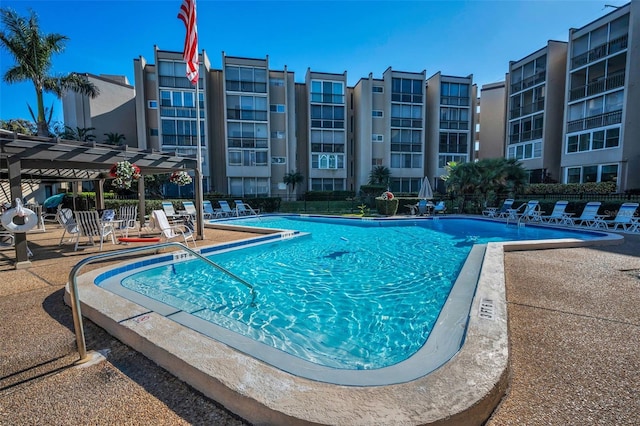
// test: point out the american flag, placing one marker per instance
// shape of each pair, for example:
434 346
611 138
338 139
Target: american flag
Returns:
190 55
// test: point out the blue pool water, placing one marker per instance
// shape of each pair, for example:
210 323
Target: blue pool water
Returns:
351 294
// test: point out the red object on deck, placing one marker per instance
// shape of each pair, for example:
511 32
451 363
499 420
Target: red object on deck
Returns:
139 239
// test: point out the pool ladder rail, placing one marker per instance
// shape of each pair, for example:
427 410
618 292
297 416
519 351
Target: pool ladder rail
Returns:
73 285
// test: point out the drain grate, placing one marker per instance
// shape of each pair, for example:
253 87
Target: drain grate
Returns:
487 309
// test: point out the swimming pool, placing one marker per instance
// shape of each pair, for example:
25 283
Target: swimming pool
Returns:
415 391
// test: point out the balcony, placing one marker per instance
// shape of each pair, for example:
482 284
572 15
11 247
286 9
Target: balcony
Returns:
528 82
527 109
456 125
598 52
601 120
528 135
179 82
454 100
602 85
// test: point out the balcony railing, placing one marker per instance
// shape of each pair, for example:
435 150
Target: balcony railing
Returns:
528 82
527 109
454 100
605 49
528 135
459 125
611 82
601 120
181 82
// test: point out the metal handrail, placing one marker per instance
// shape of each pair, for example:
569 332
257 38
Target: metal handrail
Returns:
73 285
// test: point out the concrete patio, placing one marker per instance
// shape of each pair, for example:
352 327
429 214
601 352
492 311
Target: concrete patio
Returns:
574 329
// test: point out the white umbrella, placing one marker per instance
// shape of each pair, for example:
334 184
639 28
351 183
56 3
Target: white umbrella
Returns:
426 193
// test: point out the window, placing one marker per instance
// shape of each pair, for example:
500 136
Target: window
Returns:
247 107
405 184
331 92
248 186
592 173
245 79
277 108
406 160
327 161
278 160
152 104
278 82
591 141
277 135
377 113
454 94
377 137
377 89
443 159
407 90
376 161
525 151
327 116
453 143
318 184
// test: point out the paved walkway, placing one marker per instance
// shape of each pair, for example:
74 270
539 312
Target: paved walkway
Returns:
574 331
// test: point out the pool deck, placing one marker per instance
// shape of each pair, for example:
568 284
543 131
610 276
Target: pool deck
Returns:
573 320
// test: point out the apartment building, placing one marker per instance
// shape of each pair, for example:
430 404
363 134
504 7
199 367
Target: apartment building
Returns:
110 112
390 128
536 86
490 121
601 126
166 111
451 103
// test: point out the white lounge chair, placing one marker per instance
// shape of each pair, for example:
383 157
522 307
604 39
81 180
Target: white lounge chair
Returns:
623 218
558 214
90 226
244 209
169 210
128 215
169 231
529 212
588 216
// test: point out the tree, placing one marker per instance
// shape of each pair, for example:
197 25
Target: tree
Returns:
379 175
113 138
33 52
293 178
19 125
78 134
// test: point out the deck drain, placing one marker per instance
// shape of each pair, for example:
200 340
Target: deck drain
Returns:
487 309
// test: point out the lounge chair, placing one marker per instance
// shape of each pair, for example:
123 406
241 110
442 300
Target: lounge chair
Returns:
501 212
169 231
588 216
529 212
190 209
225 208
244 209
622 219
90 226
68 223
209 212
169 210
440 207
557 215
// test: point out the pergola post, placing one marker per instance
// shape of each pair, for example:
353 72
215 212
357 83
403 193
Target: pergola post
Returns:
20 238
98 184
141 201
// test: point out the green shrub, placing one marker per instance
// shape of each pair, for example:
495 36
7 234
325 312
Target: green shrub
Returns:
387 207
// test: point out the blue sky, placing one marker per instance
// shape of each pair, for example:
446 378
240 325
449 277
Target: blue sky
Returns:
454 37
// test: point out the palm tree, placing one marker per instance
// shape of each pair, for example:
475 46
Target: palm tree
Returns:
113 138
293 178
79 134
32 52
379 176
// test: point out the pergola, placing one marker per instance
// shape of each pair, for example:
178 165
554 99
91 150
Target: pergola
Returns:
43 159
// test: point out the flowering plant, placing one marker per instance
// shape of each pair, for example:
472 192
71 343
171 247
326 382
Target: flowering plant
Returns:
180 178
124 172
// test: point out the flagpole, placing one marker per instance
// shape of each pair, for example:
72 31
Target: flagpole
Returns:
198 171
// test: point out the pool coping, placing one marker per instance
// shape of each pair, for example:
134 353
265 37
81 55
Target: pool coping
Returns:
466 389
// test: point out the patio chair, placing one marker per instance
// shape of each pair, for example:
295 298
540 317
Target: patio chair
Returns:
501 212
90 226
209 212
244 209
68 223
189 209
529 212
424 207
225 208
588 216
128 215
169 210
169 231
622 219
440 207
557 215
